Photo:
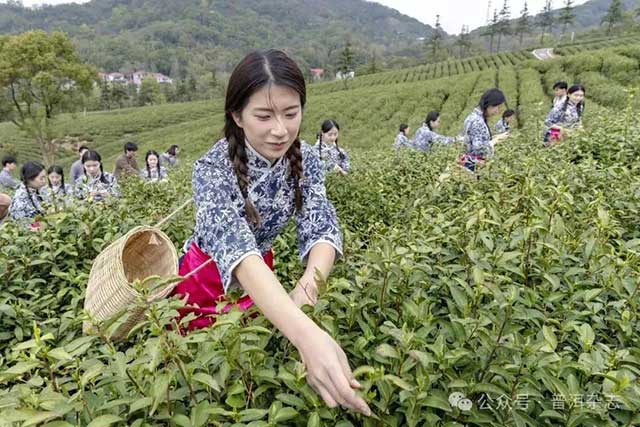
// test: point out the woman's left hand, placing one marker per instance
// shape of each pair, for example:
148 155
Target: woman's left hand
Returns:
305 292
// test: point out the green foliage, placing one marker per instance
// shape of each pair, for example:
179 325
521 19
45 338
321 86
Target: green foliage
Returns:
519 286
150 93
40 74
191 37
516 285
613 15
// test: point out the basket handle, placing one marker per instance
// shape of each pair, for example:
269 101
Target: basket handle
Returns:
174 213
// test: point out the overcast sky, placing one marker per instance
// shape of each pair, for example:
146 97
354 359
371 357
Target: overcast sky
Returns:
453 13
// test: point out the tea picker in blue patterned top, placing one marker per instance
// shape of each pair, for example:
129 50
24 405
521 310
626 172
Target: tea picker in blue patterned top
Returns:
27 202
335 158
246 189
426 136
57 193
504 124
478 138
565 116
402 140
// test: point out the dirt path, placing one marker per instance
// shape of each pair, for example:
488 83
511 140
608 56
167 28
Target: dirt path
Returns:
544 54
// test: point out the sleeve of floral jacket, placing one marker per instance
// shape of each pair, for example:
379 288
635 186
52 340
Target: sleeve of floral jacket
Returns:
343 161
444 140
221 230
317 221
112 187
555 116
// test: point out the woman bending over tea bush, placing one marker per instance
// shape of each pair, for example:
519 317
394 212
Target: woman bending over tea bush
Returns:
478 139
27 202
246 188
504 124
565 116
426 136
402 140
95 184
335 159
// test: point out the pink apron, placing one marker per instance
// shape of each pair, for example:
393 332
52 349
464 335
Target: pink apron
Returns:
204 289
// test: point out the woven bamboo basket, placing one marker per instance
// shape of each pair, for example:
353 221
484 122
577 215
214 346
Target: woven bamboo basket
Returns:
141 253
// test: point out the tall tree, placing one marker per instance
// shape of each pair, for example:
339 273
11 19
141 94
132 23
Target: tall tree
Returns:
504 24
373 65
40 75
434 43
546 19
567 16
523 26
346 59
464 41
150 92
613 16
492 29
105 95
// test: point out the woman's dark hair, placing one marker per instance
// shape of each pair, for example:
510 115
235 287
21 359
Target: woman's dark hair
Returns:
431 117
580 106
172 150
326 126
57 169
508 113
94 156
29 171
560 85
491 98
257 70
146 161
7 160
403 128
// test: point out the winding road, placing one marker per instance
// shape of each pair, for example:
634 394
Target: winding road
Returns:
543 54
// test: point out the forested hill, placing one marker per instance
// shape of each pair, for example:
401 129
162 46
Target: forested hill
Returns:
587 15
590 14
180 37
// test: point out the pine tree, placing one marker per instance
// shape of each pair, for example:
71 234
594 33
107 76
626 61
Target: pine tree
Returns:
373 65
119 94
614 15
435 41
523 26
105 95
504 26
346 59
464 41
546 19
492 29
566 17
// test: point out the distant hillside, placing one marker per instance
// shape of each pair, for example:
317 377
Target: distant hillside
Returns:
185 37
587 17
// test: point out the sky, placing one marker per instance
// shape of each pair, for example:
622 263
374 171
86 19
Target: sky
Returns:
475 11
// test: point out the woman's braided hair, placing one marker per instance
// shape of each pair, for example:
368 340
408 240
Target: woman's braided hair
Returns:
256 70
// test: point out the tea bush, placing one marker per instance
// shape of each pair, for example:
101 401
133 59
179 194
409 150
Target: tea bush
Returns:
516 287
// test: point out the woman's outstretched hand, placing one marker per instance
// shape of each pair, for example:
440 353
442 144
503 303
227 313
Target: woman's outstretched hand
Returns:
328 372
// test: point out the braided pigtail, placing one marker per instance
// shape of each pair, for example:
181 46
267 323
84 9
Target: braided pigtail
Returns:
294 154
103 179
30 193
340 152
238 156
486 123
